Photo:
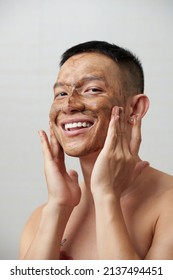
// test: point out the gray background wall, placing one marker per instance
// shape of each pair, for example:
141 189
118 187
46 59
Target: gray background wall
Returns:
33 34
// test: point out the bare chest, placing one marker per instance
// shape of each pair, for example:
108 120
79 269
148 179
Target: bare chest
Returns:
80 240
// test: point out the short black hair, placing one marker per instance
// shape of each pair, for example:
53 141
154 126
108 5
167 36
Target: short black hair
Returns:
132 71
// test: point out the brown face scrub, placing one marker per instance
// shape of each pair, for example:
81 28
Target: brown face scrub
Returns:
80 116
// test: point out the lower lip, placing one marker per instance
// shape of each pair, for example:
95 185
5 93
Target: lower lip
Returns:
76 132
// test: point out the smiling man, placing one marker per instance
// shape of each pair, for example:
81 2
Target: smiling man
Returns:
123 209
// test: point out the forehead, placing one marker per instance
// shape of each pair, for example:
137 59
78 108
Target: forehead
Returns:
79 66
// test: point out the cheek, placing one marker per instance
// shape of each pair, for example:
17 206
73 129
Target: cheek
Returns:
98 105
102 104
54 111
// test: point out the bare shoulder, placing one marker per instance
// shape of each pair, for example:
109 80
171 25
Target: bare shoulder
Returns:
160 191
158 182
161 188
154 188
29 230
164 184
155 195
165 194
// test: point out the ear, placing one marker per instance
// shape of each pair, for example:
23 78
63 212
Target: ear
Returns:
137 105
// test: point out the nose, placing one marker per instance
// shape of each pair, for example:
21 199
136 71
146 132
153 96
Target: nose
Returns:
74 104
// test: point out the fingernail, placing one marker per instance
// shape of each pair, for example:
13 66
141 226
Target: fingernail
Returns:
131 120
115 110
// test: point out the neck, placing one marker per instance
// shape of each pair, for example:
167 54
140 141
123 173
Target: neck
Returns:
87 164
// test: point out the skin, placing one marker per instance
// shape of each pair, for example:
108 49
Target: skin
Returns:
116 198
90 105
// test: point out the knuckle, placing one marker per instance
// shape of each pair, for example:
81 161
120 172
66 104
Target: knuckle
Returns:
120 157
138 138
129 159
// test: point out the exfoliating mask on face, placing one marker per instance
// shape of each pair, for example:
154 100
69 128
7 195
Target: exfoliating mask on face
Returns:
84 98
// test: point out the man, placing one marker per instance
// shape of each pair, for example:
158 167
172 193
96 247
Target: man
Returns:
124 207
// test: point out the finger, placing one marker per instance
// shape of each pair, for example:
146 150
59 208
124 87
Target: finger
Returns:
124 140
136 136
73 175
140 166
111 138
47 154
57 150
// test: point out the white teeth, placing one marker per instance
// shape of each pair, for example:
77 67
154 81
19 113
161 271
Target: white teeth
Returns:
76 124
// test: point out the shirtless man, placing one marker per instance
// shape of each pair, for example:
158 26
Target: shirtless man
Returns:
124 207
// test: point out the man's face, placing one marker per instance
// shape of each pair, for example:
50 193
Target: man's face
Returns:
87 88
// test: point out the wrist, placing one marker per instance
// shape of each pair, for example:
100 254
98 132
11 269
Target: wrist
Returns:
55 203
110 197
108 209
56 210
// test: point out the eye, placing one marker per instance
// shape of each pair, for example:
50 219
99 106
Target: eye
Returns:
60 94
93 90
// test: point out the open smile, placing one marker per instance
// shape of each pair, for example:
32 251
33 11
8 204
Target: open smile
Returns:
74 127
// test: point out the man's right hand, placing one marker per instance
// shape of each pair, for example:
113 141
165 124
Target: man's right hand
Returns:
63 186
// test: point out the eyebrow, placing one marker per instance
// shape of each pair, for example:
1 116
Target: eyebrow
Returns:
83 80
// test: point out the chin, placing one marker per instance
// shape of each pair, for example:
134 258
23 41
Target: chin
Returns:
81 153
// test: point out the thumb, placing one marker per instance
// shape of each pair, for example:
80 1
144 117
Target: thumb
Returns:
73 175
140 166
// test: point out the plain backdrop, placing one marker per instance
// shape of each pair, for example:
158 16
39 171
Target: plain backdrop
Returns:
33 35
